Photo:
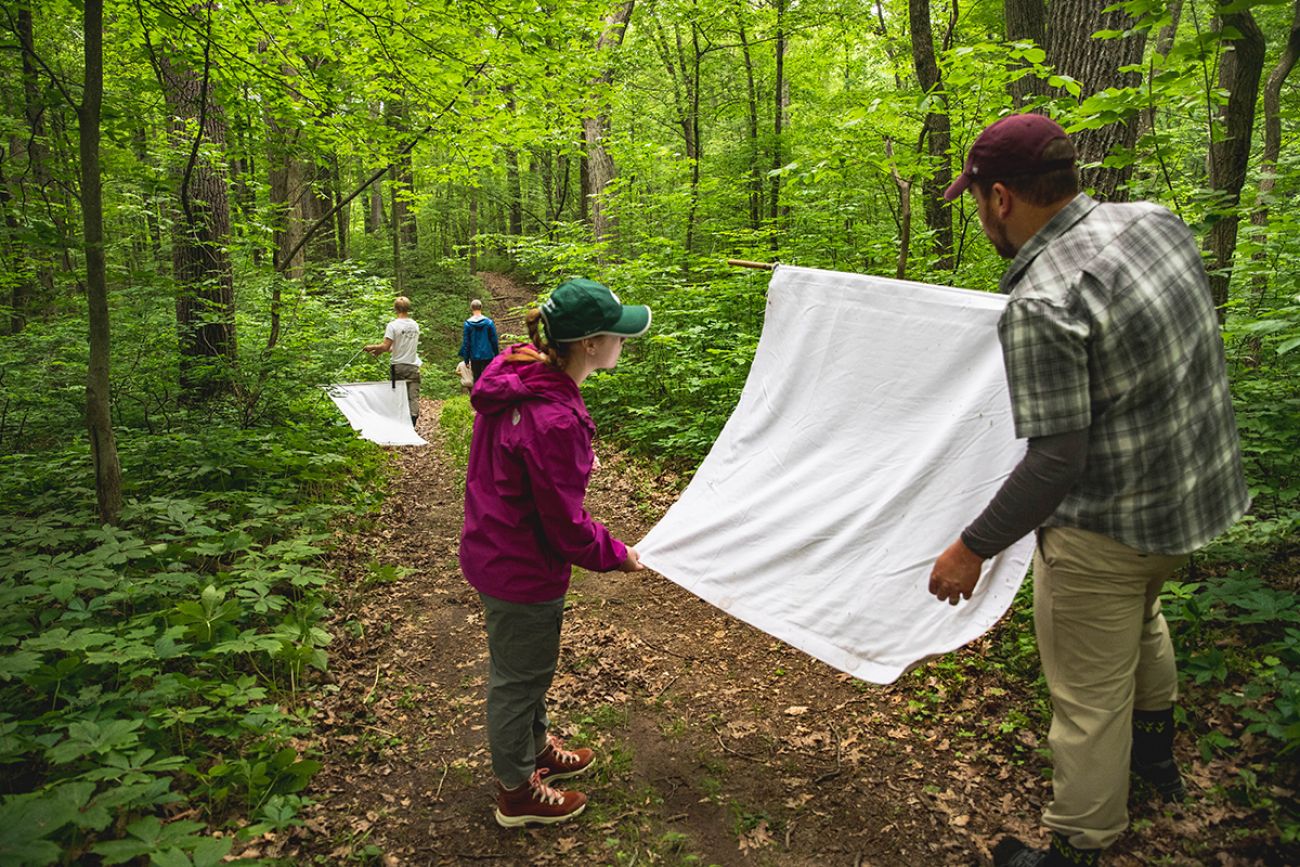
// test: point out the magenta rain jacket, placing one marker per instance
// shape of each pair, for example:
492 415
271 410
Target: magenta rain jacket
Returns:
529 462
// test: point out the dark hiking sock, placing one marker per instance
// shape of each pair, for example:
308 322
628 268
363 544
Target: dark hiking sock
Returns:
1153 753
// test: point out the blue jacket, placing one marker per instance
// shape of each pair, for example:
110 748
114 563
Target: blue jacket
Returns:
479 340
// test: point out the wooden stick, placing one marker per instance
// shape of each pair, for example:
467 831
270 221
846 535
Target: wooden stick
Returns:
745 263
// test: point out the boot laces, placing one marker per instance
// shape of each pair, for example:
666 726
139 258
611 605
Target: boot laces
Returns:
563 756
543 792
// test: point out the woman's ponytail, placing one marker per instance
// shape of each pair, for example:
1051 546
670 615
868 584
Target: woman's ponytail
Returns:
552 353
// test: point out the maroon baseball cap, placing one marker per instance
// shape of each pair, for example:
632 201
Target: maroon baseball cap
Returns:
1010 148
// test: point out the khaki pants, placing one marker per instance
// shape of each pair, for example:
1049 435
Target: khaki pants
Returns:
411 374
1105 649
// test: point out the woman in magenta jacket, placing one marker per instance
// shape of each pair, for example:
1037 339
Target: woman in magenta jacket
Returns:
525 526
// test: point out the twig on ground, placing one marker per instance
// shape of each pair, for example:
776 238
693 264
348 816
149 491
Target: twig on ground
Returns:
667 687
374 685
667 651
736 752
445 768
830 775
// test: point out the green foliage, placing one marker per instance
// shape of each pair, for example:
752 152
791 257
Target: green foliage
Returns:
457 425
164 659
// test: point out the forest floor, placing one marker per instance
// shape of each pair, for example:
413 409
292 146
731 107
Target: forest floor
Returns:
717 744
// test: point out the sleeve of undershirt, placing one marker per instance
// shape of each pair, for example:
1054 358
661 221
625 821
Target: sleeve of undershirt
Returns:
1051 466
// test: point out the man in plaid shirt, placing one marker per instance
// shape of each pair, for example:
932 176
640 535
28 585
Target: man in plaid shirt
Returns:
1117 379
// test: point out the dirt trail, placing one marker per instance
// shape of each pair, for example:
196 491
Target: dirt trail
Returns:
717 743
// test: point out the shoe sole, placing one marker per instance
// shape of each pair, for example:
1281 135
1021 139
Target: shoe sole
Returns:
566 775
519 821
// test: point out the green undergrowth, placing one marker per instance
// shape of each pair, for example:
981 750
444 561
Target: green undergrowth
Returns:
153 674
457 424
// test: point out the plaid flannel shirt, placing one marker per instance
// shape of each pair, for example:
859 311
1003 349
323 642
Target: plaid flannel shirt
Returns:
1110 326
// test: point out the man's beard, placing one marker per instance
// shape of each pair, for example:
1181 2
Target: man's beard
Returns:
996 232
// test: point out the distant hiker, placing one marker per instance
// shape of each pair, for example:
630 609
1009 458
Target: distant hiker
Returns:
1117 378
402 339
530 460
478 342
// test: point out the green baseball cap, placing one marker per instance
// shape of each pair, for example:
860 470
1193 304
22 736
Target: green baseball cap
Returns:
584 308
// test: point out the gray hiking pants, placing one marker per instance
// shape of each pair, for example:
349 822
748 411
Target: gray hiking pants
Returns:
523 650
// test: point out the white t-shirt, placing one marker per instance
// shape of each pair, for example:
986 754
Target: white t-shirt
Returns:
405 335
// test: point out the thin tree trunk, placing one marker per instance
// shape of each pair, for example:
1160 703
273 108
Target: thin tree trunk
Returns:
937 133
1273 138
397 232
751 92
473 230
778 112
1239 75
99 420
342 213
600 169
38 159
514 192
904 213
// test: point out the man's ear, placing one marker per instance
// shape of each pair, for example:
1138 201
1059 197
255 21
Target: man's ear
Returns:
1001 200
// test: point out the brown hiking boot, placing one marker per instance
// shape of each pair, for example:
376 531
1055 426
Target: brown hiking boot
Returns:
557 763
535 801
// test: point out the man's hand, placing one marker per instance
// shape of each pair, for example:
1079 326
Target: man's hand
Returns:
595 463
631 563
955 573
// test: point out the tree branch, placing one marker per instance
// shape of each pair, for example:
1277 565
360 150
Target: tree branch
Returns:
405 149
30 50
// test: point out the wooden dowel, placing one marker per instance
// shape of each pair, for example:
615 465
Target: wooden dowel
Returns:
745 263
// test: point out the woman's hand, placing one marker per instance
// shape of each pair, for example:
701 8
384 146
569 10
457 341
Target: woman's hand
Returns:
631 563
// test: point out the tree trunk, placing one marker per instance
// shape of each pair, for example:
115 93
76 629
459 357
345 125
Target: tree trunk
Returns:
397 233
1239 73
937 133
515 192
343 214
1094 63
778 112
38 160
99 420
600 170
904 212
473 230
1026 21
205 301
755 172
1273 137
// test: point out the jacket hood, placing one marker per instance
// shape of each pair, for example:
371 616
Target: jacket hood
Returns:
481 322
507 383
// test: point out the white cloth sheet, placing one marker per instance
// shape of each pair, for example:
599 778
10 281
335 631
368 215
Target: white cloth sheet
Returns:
875 424
377 411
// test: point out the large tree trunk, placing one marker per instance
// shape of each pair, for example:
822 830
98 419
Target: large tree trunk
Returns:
1239 73
99 420
600 170
205 300
937 134
1025 21
1094 63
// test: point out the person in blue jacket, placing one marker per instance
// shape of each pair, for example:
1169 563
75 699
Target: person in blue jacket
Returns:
478 343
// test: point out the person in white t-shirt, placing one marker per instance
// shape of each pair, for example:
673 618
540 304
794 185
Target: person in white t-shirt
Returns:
402 339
